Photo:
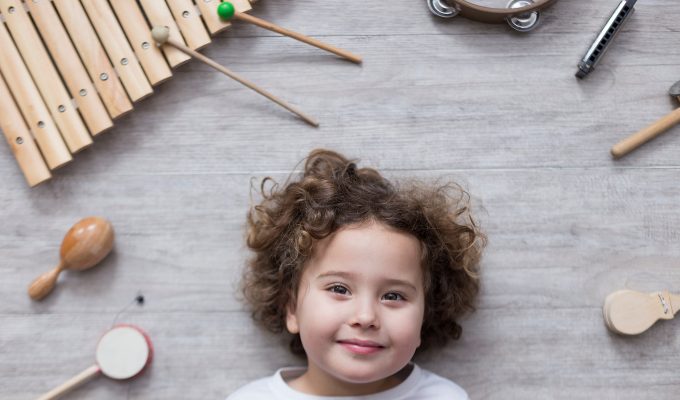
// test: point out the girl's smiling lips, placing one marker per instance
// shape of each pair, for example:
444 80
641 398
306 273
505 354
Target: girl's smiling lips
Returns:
358 346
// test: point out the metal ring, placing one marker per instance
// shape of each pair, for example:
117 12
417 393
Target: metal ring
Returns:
441 8
523 22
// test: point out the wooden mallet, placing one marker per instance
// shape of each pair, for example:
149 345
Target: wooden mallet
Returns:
650 132
227 11
161 34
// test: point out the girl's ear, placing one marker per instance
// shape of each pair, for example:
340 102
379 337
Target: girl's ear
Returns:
291 320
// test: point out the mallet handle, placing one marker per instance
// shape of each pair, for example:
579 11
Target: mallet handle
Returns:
643 136
297 36
241 80
71 383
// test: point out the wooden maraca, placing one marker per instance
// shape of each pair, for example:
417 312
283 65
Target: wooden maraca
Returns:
84 245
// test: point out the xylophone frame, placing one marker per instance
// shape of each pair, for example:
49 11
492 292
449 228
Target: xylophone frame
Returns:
68 68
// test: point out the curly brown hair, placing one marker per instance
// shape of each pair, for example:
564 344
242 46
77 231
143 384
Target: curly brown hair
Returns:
332 193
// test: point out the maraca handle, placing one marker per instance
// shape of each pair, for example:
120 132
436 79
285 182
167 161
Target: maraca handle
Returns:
71 383
43 285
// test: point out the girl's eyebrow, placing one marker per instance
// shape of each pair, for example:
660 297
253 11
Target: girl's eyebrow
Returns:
350 275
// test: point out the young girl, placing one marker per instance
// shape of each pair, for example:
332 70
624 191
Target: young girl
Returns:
362 273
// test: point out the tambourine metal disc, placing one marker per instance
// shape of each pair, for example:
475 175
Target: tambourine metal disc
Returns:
441 8
524 22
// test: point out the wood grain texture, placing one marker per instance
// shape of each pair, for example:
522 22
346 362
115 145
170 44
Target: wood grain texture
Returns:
498 111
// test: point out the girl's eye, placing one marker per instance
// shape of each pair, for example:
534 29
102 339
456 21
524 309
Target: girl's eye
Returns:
393 297
339 289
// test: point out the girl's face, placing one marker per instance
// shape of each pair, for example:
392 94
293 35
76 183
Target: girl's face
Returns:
359 309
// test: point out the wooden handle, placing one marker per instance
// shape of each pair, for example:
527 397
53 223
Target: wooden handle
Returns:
638 139
243 81
71 383
43 285
297 36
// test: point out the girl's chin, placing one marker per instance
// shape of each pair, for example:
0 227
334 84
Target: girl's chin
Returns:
359 377
365 385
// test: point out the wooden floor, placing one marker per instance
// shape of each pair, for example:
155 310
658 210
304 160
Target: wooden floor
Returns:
499 111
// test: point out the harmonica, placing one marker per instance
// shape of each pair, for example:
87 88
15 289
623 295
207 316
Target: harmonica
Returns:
605 37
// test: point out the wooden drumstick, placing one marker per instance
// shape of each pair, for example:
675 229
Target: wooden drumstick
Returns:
161 36
650 132
227 11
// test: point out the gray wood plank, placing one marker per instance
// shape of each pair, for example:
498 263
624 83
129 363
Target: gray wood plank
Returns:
499 111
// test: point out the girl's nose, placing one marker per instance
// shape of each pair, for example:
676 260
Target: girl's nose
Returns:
365 316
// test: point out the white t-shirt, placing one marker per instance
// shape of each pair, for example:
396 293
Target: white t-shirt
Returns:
420 384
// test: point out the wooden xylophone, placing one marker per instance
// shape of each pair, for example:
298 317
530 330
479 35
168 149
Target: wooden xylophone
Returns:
68 68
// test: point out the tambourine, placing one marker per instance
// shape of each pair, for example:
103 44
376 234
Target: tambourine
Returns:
521 15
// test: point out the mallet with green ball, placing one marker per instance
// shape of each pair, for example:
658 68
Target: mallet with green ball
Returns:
161 34
227 12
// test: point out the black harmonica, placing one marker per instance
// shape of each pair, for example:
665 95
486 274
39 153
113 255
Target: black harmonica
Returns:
607 34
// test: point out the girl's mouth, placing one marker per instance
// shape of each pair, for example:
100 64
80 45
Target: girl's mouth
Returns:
362 347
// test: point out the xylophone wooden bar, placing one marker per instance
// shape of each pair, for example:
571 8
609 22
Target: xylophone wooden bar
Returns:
20 140
31 104
69 65
101 59
45 76
159 14
94 57
135 26
118 48
189 23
